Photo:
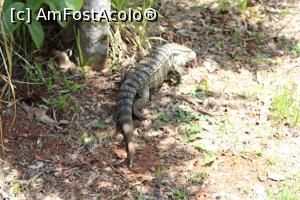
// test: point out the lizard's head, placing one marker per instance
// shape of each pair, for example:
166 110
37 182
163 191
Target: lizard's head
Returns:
182 55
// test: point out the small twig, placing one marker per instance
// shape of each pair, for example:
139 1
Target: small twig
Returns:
5 79
194 105
32 179
120 194
115 170
3 161
203 23
284 26
130 187
1 137
3 194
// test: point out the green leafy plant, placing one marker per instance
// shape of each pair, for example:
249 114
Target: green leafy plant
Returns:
17 188
246 190
295 48
161 171
243 5
119 4
200 147
187 138
35 27
197 91
162 116
137 34
81 57
206 87
201 90
37 75
178 194
286 106
224 6
183 116
224 127
285 13
260 38
141 195
274 160
209 157
196 177
192 137
100 125
194 128
61 101
85 138
71 88
220 44
7 91
236 35
286 194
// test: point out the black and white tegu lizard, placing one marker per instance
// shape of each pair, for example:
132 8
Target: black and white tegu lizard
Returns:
155 68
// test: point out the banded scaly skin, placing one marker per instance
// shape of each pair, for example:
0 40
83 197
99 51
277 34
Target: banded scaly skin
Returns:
139 82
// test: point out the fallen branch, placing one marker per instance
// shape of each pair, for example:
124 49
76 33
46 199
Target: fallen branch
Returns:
130 187
195 105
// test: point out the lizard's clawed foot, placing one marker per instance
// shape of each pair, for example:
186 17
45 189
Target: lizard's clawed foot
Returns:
142 115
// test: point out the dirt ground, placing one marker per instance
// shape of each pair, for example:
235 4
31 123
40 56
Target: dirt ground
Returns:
211 137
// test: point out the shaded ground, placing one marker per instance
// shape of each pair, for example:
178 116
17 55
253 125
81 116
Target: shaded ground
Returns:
239 152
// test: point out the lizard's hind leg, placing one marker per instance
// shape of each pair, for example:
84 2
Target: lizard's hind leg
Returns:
140 102
174 78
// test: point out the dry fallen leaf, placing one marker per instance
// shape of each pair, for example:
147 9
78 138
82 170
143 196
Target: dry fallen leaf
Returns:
39 113
224 18
175 24
251 4
251 47
63 61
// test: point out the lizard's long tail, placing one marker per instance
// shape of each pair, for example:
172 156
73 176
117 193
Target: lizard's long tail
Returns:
130 145
125 100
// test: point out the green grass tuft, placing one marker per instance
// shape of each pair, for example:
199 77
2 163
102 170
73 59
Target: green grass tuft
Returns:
178 194
286 106
196 177
16 188
100 125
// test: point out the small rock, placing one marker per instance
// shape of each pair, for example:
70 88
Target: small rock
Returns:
36 165
64 122
154 133
275 189
169 130
252 25
39 143
58 171
209 66
194 189
108 169
276 177
93 177
165 143
161 28
151 169
260 193
109 119
106 72
146 122
262 178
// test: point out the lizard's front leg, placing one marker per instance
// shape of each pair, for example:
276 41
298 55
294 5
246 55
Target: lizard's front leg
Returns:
174 77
